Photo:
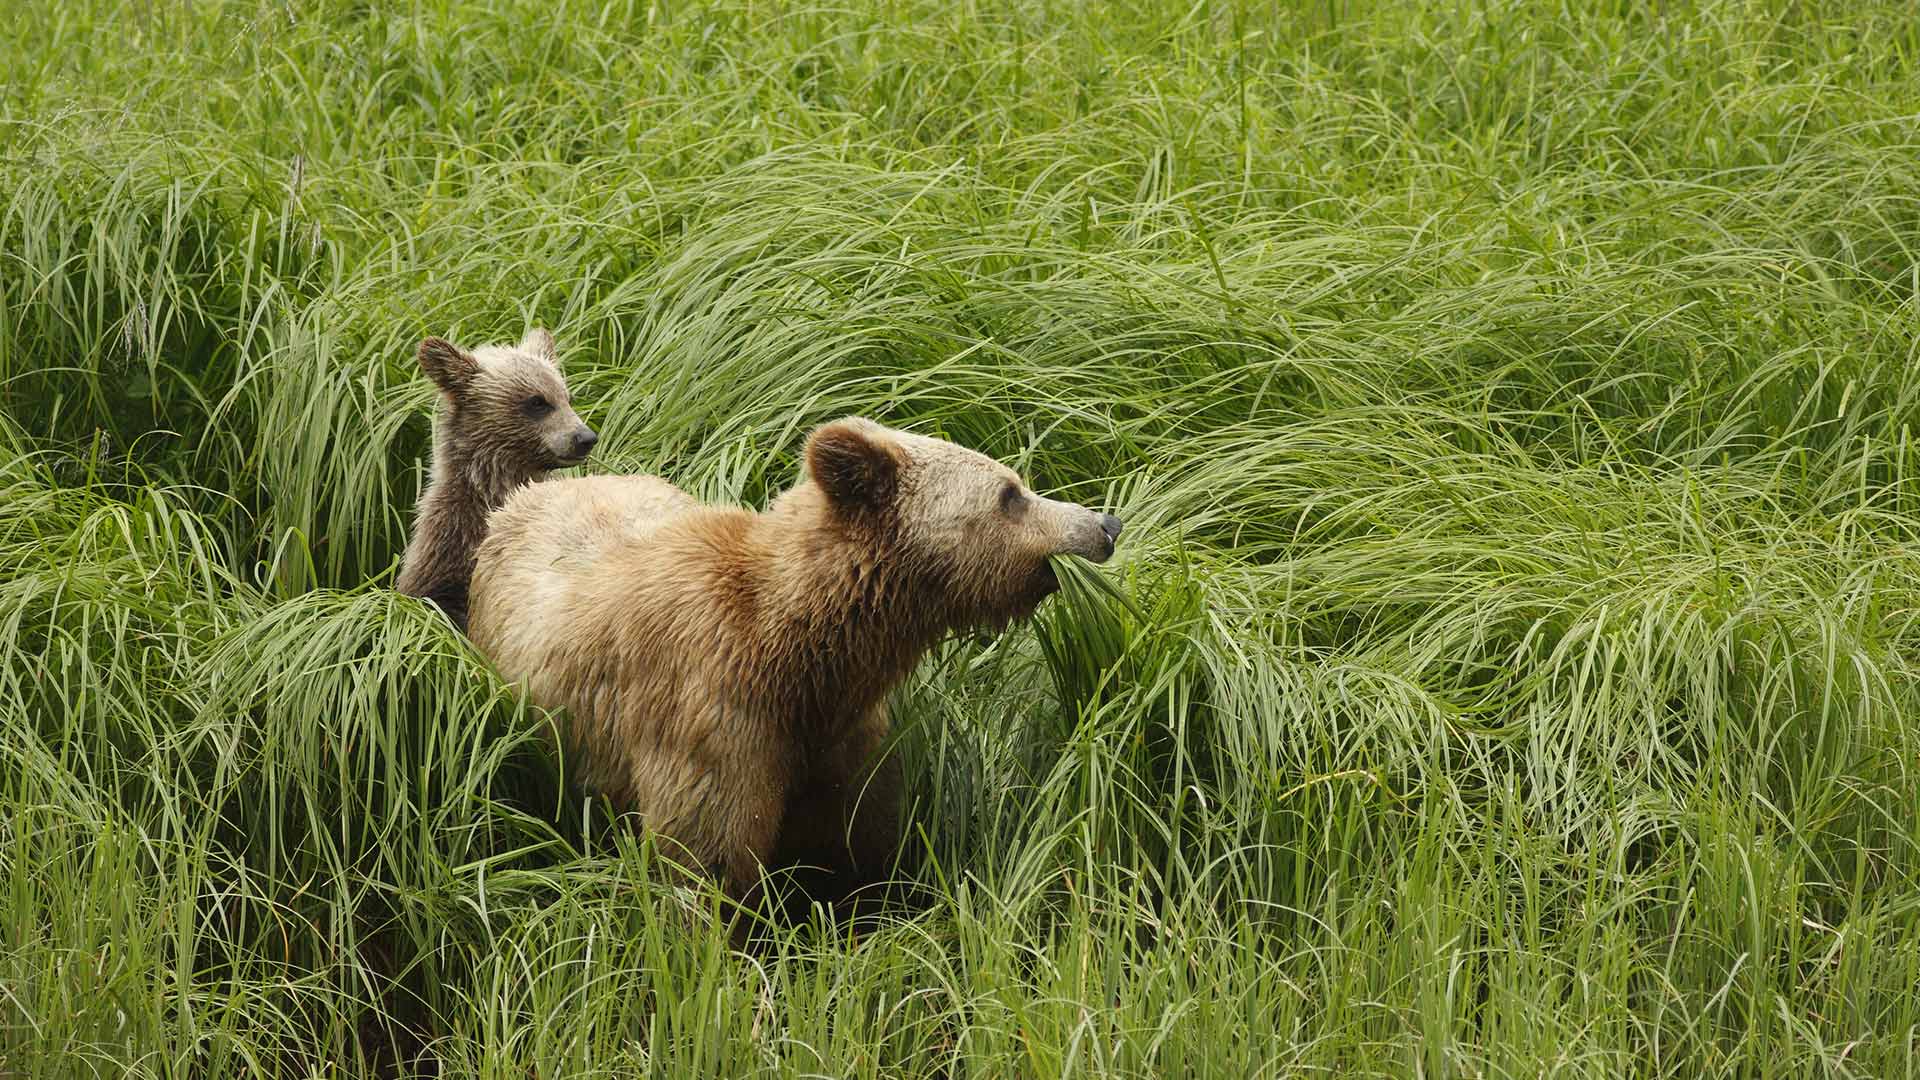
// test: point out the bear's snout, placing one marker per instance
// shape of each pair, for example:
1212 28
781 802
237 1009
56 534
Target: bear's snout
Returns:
572 447
1108 536
1093 534
1080 530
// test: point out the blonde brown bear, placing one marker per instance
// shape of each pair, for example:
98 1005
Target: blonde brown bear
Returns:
725 672
505 419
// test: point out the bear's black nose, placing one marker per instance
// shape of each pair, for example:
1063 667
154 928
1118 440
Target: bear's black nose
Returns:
583 441
1110 526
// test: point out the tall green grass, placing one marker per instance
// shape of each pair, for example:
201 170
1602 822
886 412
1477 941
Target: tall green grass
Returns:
1511 666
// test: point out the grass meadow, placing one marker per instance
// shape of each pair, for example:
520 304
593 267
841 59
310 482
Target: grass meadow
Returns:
1510 666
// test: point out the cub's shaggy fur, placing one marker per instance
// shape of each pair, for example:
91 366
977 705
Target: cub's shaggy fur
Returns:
725 671
505 419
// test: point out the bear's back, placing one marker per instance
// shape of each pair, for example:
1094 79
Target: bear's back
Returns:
606 596
582 516
549 540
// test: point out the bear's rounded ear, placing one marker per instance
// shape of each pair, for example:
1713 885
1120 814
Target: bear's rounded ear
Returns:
540 343
855 464
448 365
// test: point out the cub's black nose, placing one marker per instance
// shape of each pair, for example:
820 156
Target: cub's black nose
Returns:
1111 526
583 441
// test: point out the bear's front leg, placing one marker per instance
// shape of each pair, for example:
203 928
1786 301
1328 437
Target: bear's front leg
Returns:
748 795
841 835
719 806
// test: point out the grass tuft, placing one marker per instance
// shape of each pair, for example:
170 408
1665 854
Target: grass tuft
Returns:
1509 668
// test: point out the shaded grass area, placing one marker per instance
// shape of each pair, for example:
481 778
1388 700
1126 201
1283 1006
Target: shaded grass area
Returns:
1510 669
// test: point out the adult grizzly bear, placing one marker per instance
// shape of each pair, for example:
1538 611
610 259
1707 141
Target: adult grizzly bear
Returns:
725 672
505 419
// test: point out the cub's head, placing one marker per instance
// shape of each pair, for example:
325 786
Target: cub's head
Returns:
507 405
963 526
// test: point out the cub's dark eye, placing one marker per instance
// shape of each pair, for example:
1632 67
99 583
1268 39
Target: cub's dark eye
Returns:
536 406
1011 498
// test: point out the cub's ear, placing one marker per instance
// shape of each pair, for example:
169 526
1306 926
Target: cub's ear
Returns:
855 463
540 343
449 366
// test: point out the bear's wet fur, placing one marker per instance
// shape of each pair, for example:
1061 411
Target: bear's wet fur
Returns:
725 672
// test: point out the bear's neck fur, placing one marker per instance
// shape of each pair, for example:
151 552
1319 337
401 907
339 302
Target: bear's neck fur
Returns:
845 613
468 480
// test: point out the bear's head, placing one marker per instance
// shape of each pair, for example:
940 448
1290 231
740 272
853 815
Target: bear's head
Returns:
508 405
960 527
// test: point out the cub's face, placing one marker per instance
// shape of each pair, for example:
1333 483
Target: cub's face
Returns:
510 402
966 523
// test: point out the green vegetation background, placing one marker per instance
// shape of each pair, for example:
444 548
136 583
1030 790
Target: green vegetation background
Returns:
1510 671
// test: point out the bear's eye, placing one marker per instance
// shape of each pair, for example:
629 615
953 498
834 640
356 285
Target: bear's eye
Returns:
1011 497
536 406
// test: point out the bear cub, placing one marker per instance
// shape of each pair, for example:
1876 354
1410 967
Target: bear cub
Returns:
505 419
725 672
